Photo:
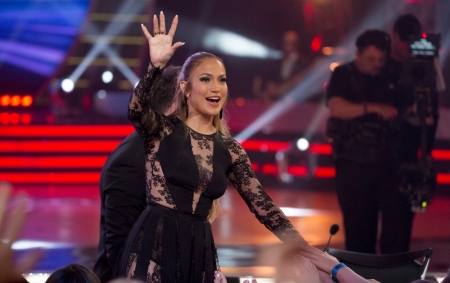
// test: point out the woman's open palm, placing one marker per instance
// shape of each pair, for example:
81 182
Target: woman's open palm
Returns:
160 44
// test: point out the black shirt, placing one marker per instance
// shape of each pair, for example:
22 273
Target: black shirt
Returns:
349 83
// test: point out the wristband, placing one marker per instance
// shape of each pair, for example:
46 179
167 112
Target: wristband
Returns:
335 270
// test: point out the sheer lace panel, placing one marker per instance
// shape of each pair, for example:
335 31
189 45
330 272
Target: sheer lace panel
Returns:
147 122
157 190
153 127
202 148
244 180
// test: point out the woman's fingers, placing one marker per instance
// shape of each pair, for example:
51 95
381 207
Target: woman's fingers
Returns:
162 23
5 191
146 33
29 260
14 224
155 25
173 27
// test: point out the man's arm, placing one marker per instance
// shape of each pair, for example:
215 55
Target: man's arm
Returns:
344 109
124 195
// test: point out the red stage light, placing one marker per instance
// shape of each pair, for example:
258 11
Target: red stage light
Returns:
27 100
320 148
58 146
316 43
443 178
78 131
265 145
270 169
4 118
54 162
324 172
5 100
255 167
299 170
440 154
14 118
15 100
46 177
26 119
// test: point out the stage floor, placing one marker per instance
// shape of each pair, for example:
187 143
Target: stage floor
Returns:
67 228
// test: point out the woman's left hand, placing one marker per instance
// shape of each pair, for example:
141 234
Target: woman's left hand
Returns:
322 260
160 44
308 273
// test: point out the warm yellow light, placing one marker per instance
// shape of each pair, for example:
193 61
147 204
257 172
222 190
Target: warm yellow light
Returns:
334 65
27 100
327 50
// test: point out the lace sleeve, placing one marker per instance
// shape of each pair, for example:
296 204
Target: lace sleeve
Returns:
244 180
146 121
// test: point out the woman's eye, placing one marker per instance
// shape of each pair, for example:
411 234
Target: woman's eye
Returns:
223 80
204 79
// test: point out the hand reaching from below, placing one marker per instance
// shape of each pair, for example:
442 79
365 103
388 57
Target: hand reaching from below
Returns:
160 44
219 277
10 271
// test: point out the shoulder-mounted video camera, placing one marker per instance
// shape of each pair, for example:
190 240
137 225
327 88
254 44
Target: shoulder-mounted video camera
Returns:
419 71
418 180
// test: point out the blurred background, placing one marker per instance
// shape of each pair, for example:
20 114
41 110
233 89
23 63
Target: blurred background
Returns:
68 67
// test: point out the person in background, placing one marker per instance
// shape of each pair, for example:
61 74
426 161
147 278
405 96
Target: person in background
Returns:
122 183
287 73
73 273
364 141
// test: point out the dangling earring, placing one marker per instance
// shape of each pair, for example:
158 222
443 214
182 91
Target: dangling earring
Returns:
220 114
187 107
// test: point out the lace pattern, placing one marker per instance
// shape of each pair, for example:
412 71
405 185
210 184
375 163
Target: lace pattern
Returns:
202 146
153 127
244 180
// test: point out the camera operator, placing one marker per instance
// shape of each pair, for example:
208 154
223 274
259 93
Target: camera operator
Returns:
405 28
361 127
417 79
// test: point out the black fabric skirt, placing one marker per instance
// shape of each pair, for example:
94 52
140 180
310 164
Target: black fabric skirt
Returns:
181 244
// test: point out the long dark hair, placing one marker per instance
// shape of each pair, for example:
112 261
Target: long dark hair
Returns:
73 273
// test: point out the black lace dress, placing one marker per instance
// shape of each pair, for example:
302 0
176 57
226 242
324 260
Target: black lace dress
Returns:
172 240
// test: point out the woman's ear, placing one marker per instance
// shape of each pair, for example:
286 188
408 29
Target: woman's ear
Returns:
183 86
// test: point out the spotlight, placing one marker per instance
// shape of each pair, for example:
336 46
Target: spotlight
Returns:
5 100
15 100
101 94
107 77
219 39
27 100
302 144
67 85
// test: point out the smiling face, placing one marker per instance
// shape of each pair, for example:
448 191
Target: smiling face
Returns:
207 88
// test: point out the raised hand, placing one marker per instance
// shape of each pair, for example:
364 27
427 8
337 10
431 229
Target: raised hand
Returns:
160 44
10 226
